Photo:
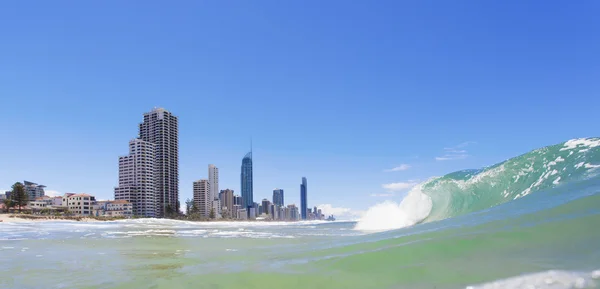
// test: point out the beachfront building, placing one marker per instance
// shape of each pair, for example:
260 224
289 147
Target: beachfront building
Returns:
41 203
79 204
34 190
160 127
137 184
116 208
226 198
202 196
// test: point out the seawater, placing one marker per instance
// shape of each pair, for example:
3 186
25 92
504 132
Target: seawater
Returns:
529 222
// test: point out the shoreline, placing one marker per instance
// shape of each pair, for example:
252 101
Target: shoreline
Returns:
27 218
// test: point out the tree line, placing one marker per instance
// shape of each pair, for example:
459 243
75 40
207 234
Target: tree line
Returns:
18 197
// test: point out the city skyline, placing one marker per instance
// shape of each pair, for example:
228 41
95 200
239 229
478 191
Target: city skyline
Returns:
366 95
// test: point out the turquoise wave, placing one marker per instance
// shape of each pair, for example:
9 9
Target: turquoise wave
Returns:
469 191
474 190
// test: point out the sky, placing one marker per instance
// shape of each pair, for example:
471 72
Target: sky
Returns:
363 98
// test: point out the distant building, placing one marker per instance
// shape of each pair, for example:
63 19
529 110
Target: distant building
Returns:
137 183
237 200
303 197
235 211
266 205
278 197
242 214
226 197
3 196
41 203
34 190
202 196
213 180
246 182
117 208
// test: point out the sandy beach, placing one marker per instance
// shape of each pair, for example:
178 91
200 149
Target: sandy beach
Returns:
6 218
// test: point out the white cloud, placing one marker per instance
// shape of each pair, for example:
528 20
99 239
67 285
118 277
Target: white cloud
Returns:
339 212
382 195
457 152
402 167
50 193
400 186
451 157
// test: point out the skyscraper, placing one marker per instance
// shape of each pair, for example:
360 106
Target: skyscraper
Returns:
246 182
303 198
137 178
213 180
160 127
202 196
278 197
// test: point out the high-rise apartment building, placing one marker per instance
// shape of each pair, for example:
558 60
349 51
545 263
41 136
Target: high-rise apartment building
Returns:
278 197
226 197
246 182
136 178
160 128
202 196
266 205
34 190
303 200
213 179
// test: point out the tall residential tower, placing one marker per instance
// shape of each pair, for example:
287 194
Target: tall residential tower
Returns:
213 180
160 128
136 178
202 197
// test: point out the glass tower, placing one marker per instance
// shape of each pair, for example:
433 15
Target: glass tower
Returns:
246 179
303 199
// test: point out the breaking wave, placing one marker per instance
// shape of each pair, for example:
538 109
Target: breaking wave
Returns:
468 191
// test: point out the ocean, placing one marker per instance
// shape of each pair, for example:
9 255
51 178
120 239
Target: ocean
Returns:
532 221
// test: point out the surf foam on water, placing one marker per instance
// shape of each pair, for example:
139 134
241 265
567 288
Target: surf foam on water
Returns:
546 280
414 208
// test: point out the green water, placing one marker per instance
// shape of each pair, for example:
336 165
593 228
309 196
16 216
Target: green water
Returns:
479 227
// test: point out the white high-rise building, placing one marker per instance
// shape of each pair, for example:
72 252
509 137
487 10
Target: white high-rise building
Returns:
213 180
160 127
136 178
202 196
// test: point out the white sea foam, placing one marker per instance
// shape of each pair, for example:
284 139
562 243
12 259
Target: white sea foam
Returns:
389 215
556 182
545 280
579 143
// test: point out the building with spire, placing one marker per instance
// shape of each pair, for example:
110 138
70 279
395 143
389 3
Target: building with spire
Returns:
246 182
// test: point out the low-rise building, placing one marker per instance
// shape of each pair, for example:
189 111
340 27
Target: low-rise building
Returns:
117 208
79 204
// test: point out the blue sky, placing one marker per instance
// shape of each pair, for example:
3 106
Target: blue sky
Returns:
340 92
